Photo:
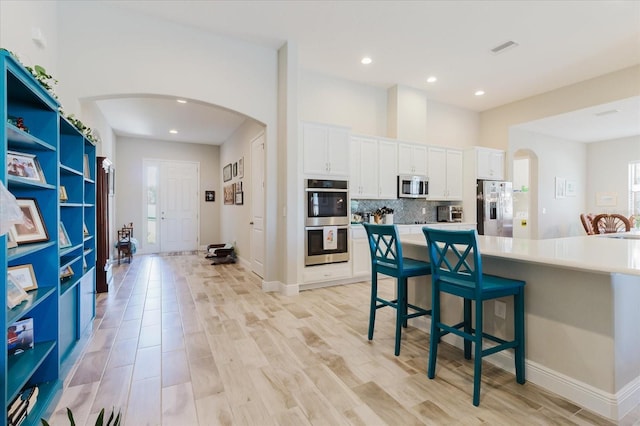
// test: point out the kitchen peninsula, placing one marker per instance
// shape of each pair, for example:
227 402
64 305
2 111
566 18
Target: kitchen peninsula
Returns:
582 313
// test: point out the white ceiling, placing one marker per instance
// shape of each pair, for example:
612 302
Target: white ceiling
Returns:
560 43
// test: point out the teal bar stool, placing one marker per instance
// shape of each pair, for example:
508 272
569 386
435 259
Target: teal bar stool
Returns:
456 268
387 259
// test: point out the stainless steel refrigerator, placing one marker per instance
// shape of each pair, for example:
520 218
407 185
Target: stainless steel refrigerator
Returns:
495 208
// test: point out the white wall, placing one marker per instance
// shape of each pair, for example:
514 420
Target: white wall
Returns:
129 181
236 218
107 51
18 20
495 123
452 126
608 171
557 158
330 100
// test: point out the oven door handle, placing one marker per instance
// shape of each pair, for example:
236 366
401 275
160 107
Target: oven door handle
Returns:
320 228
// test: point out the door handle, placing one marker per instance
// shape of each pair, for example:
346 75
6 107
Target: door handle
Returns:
251 223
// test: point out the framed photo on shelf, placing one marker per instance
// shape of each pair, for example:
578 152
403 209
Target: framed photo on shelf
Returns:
226 173
87 169
24 276
63 194
65 241
15 294
66 272
33 230
239 200
241 168
25 166
20 336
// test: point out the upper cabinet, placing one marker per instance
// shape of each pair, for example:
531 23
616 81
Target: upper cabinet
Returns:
373 168
325 150
489 163
412 159
445 174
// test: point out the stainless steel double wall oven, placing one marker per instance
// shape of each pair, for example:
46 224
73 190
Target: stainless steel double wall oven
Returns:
326 213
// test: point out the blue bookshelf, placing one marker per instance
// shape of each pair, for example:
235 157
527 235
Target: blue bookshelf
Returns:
61 307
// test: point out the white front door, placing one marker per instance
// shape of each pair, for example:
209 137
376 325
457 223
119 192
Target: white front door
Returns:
257 205
170 197
178 206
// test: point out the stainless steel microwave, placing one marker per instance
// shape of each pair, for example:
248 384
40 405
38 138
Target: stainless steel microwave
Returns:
413 186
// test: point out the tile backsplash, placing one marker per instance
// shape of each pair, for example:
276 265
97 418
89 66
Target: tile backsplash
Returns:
405 210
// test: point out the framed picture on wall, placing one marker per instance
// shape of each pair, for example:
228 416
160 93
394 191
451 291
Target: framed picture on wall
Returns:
228 194
241 168
235 169
226 173
239 198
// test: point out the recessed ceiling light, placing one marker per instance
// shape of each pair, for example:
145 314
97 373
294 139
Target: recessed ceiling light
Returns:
173 131
479 92
432 79
366 60
181 101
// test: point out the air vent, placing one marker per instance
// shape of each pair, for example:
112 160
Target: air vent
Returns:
611 111
504 47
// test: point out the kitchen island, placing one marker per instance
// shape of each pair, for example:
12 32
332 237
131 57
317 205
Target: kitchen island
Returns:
582 313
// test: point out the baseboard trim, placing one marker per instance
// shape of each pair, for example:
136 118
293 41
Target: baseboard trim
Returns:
612 406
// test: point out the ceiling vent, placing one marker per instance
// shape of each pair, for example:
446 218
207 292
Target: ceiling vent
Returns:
603 113
504 47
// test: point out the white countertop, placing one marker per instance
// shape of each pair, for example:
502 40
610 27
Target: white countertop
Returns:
607 253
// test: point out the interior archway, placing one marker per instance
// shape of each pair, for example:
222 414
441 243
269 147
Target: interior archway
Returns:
525 194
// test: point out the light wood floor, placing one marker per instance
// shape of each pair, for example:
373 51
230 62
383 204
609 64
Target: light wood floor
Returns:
180 342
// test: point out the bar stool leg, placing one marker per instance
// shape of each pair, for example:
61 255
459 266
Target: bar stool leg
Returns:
435 330
401 311
518 308
467 328
477 370
374 302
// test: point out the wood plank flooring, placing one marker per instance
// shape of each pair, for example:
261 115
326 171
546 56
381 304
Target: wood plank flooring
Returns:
178 341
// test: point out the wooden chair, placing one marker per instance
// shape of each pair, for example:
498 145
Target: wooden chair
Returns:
456 269
387 259
610 223
587 223
125 243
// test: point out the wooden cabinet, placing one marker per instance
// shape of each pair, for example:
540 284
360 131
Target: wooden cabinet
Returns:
489 164
31 127
325 150
412 159
445 174
373 168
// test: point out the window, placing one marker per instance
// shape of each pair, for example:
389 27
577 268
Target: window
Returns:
634 189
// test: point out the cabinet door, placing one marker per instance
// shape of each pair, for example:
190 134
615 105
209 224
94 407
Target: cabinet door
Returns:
369 168
355 186
314 146
361 258
490 164
412 159
388 173
454 174
437 173
338 151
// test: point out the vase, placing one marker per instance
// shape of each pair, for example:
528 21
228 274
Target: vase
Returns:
388 218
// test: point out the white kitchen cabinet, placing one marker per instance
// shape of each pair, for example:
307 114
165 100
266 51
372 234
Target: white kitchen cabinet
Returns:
325 150
373 168
412 159
360 256
387 169
445 174
489 163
